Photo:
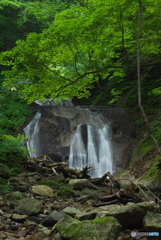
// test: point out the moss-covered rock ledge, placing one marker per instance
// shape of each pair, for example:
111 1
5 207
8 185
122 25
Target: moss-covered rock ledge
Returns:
73 229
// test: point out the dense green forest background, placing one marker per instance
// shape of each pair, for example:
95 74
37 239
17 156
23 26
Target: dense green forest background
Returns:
82 48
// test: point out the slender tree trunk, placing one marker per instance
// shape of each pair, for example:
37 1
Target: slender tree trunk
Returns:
139 80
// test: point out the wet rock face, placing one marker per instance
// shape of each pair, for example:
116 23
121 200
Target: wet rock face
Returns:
58 125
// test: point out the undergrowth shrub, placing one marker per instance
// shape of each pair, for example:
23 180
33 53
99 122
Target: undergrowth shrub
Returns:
12 152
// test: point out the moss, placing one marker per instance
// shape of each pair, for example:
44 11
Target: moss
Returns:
65 191
145 146
49 183
152 171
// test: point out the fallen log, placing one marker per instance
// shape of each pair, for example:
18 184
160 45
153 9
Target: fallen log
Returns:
71 172
114 182
99 181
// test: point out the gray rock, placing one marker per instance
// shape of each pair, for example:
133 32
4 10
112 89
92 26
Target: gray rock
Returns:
43 190
152 221
2 226
19 218
1 213
132 212
18 184
79 184
106 228
52 218
4 171
36 177
41 232
30 225
72 211
89 214
29 206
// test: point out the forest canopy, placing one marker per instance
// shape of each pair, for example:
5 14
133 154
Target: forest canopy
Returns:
87 42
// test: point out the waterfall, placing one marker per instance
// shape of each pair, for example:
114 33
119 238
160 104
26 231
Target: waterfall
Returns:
95 151
32 131
84 137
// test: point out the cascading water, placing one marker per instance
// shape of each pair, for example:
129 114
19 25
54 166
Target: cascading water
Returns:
96 152
32 131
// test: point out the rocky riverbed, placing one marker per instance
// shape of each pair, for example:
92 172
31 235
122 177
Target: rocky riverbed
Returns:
38 206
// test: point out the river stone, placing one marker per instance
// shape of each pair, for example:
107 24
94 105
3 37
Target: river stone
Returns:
72 211
89 214
102 228
132 212
79 184
19 218
152 221
18 184
43 190
4 171
52 218
29 206
41 232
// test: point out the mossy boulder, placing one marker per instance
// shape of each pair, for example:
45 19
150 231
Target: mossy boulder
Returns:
4 171
152 221
29 206
102 228
65 192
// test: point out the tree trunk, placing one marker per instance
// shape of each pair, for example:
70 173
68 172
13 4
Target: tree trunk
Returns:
139 80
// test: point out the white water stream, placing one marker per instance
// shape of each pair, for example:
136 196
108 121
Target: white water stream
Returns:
32 131
97 151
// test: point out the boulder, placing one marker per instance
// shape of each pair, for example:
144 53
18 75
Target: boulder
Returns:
19 218
29 206
73 229
4 171
43 190
89 214
52 218
72 211
41 232
80 184
132 212
152 221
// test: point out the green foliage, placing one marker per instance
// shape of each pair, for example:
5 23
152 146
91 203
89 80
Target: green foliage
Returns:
19 18
17 196
139 122
83 44
14 111
6 189
12 153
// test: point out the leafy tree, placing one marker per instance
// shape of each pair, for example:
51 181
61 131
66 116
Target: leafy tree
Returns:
92 41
